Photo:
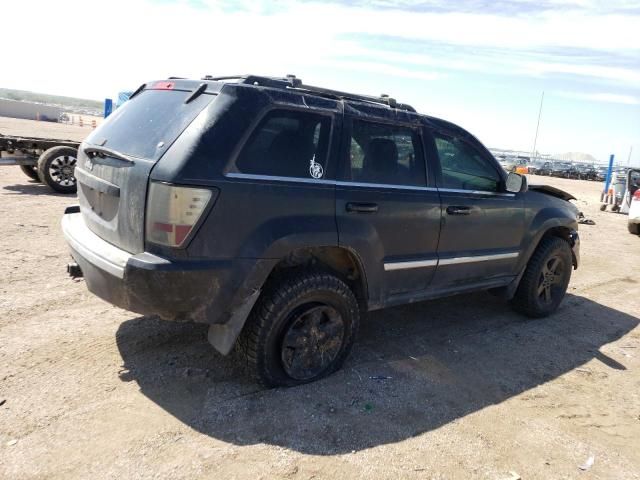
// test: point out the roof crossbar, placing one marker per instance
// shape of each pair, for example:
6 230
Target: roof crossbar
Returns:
292 82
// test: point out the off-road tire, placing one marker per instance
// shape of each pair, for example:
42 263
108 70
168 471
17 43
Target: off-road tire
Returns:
634 228
527 298
261 343
30 171
44 168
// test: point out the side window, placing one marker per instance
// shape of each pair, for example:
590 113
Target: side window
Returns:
463 167
287 144
387 154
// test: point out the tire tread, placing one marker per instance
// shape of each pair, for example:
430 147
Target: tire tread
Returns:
277 295
524 301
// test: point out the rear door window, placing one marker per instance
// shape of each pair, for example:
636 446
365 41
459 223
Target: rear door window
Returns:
385 154
287 143
149 123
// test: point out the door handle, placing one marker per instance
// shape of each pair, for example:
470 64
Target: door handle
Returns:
356 207
458 210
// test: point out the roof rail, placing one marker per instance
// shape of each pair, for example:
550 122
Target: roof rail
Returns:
292 82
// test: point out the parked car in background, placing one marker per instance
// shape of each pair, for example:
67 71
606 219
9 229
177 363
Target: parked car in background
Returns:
534 166
633 185
580 171
514 164
541 168
601 174
560 169
573 171
586 172
508 163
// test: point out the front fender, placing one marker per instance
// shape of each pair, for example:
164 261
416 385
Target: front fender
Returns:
542 222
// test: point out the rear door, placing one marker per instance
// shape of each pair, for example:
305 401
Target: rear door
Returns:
386 209
114 162
482 225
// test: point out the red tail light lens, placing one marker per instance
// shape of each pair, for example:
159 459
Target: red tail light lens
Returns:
636 195
173 211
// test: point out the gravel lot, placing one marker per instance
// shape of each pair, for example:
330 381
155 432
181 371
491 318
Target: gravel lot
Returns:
469 389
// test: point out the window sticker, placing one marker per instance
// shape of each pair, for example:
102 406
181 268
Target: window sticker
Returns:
315 169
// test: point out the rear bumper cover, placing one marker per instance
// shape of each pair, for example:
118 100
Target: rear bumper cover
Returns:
207 291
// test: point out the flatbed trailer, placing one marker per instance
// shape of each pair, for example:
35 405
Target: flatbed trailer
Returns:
47 160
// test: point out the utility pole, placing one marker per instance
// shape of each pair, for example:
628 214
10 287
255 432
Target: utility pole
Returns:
535 140
629 157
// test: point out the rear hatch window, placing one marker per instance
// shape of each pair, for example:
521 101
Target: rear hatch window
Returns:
112 191
148 124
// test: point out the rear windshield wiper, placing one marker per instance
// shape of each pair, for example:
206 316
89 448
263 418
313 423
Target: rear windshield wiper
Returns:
107 152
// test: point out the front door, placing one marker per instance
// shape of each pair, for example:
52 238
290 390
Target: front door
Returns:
482 224
385 208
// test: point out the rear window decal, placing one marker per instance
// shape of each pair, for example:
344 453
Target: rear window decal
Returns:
315 169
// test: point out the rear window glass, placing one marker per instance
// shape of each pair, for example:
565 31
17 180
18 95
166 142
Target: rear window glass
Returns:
287 144
385 154
153 116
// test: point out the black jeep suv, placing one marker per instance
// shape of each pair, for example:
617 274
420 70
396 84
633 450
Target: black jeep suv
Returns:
277 213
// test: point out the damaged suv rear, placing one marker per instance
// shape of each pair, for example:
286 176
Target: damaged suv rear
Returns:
278 212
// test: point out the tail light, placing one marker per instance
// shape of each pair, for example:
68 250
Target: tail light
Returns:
173 212
636 195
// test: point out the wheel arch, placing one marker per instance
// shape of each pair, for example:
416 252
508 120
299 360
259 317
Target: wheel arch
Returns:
550 223
341 261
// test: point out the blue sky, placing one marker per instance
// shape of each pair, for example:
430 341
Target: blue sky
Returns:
482 64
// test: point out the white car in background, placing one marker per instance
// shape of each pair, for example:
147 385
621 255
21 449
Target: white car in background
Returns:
633 192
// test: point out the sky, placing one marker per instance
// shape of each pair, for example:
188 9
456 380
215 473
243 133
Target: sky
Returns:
482 64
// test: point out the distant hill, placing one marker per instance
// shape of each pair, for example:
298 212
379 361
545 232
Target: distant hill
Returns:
76 105
576 157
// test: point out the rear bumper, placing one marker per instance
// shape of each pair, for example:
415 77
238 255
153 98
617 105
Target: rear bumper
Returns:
207 291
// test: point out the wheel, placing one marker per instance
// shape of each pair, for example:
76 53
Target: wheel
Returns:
301 329
30 171
634 228
56 168
545 279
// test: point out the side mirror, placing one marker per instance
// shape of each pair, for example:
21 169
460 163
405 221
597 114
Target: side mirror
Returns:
516 183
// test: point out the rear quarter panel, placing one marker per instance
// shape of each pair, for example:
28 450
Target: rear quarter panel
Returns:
263 218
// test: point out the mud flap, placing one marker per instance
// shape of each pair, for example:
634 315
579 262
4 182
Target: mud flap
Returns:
222 336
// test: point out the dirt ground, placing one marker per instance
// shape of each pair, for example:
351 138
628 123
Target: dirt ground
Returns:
459 388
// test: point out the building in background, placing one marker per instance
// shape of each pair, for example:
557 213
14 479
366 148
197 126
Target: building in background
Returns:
29 110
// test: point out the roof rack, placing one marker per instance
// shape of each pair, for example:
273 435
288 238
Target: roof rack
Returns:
292 82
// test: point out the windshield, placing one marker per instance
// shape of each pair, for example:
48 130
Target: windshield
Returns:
148 124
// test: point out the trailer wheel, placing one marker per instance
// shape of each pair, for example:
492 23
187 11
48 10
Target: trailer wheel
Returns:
56 168
30 171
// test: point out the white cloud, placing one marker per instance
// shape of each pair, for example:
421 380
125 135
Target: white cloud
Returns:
625 75
602 97
116 45
381 68
113 44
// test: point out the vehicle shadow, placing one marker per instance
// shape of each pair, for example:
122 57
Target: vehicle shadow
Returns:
413 369
34 188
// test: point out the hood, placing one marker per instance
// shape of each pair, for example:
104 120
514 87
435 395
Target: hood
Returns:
553 191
